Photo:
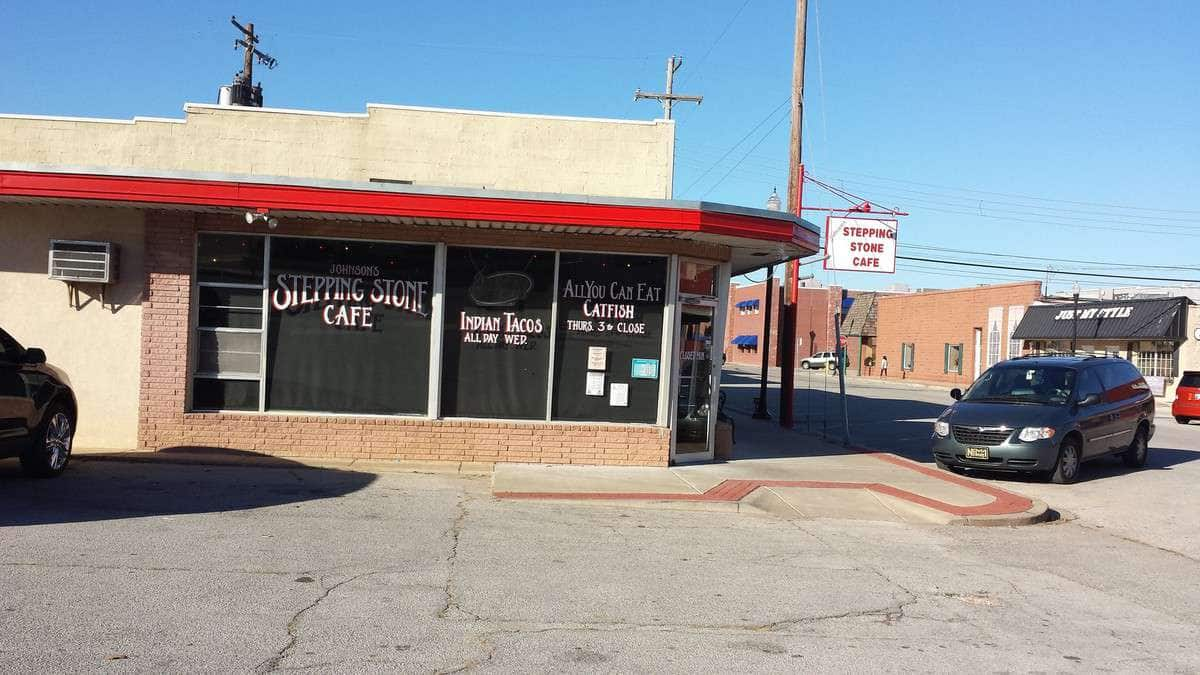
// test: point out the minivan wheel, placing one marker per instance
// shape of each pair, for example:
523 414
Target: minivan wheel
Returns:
1182 420
1139 450
51 449
1066 470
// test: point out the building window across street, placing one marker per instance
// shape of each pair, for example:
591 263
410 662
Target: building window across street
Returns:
1156 359
954 359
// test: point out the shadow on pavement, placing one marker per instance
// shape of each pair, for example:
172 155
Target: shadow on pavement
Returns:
92 490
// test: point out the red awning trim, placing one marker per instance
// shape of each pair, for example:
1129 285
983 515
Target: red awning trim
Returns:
244 195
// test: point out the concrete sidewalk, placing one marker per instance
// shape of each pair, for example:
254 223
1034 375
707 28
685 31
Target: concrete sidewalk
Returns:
787 475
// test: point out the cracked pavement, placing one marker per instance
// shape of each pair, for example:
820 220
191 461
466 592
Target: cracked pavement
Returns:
142 567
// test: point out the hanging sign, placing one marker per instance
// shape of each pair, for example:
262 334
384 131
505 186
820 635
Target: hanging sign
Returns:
860 244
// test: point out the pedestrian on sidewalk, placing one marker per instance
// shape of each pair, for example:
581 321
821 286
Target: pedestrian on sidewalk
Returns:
883 366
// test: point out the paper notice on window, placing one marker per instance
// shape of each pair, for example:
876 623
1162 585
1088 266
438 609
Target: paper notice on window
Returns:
597 358
595 384
618 394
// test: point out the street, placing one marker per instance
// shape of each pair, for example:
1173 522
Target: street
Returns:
159 567
1154 505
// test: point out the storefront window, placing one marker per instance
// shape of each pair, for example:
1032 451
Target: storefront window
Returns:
609 337
697 278
496 345
229 322
349 326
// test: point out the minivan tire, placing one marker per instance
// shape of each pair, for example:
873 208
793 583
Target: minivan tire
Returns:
1066 469
1139 450
1182 420
50 451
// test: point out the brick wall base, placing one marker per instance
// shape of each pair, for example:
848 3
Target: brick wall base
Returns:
164 423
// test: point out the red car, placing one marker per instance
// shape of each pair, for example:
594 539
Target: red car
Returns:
1187 398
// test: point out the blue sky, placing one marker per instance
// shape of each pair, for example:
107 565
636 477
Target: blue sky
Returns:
1043 129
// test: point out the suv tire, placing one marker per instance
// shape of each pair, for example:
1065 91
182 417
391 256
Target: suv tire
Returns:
1070 458
50 452
1135 456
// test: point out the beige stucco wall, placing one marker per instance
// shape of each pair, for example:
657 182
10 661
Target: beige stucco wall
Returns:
1189 351
98 346
447 148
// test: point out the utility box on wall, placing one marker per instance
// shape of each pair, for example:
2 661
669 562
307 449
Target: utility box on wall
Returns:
95 262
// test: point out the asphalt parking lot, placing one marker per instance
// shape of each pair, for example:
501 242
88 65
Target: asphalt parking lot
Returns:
174 568
1155 504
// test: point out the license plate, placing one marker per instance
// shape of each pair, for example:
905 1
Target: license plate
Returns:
1196 396
978 453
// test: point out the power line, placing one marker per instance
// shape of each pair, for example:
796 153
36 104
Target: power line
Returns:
740 141
1058 272
1061 214
714 44
1018 196
760 141
1107 265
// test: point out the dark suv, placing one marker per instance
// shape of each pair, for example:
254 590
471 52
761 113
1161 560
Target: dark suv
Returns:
37 410
1047 415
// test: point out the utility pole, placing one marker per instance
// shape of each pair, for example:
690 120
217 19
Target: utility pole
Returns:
787 328
760 410
1074 317
670 97
243 91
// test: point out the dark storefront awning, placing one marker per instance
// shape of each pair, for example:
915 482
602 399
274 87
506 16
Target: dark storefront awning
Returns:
1157 319
747 304
745 341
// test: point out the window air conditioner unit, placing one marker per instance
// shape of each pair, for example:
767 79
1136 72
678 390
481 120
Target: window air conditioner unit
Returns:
93 262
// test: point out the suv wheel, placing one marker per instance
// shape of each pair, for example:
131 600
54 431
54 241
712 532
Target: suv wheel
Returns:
1138 451
1066 470
51 449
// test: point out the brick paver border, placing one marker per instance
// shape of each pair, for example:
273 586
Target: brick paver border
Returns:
733 490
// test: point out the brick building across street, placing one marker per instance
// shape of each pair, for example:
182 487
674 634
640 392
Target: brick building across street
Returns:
815 309
951 336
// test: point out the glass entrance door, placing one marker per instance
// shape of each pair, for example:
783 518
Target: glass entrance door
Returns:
693 407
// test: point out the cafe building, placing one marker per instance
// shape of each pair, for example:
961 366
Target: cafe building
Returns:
411 283
1161 336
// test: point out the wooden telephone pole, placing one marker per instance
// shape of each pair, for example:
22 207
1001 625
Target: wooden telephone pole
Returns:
670 97
787 328
243 90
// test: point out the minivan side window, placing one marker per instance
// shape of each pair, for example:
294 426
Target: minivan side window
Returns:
1088 384
1112 376
1120 379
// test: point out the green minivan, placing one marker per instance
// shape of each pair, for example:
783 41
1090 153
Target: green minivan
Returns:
1047 415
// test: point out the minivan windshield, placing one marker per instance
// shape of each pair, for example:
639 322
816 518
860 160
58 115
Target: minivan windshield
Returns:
1045 385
